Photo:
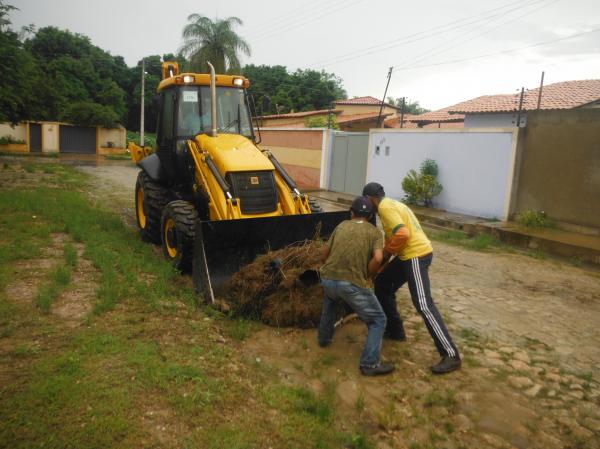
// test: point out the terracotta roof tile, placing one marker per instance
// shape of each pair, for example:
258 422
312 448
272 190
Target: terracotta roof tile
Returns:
443 125
300 114
441 115
365 101
345 119
394 122
284 125
564 95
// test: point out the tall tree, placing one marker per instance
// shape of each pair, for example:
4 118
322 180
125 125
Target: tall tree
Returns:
215 42
82 83
18 74
410 107
303 90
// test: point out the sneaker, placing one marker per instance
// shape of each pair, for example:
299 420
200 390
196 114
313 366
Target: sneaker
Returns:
446 365
378 370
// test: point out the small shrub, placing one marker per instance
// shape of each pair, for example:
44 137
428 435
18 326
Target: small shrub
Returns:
322 122
149 138
422 187
8 139
429 167
533 219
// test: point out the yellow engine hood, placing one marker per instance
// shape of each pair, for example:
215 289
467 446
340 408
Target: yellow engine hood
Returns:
232 152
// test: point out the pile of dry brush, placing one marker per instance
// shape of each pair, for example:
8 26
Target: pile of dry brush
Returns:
269 290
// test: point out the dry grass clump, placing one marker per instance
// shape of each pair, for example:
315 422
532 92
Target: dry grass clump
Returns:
273 294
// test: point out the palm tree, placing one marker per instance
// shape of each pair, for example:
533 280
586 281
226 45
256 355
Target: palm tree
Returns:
205 40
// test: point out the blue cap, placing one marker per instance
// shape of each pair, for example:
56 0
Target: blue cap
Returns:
362 206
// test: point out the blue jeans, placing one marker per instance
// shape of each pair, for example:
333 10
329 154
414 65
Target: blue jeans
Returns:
364 303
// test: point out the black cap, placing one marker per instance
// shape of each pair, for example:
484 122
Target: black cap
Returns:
362 206
373 189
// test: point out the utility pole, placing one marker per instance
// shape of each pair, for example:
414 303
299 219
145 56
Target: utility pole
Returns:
520 107
384 94
402 112
142 105
539 103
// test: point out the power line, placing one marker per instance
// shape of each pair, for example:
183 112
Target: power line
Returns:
283 17
445 48
415 37
289 22
487 55
329 10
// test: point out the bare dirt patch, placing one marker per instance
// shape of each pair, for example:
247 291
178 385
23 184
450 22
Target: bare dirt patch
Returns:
30 273
76 302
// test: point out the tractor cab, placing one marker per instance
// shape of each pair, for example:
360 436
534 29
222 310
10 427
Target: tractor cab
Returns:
185 105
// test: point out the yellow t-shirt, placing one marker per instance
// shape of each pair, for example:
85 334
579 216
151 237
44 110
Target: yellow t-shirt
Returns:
393 215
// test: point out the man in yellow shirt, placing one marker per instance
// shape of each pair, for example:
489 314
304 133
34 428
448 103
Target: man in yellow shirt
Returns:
412 254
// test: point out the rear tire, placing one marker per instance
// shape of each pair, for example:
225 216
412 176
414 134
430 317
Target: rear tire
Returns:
315 207
177 233
150 200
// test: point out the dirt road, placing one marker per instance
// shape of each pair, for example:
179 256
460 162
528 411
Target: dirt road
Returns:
527 329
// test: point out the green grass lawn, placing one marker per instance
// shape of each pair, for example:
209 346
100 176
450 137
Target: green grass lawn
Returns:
148 366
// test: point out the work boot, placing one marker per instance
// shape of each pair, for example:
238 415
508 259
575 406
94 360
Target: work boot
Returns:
377 370
395 333
446 365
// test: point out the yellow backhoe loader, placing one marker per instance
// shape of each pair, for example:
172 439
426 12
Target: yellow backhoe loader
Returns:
208 193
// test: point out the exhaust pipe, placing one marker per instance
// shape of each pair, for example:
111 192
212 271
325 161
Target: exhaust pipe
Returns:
213 101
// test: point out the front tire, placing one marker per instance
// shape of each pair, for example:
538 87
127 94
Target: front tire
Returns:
177 233
150 199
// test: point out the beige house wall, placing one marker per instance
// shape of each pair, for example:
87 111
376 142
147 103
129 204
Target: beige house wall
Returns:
117 136
19 132
50 137
289 121
560 166
300 151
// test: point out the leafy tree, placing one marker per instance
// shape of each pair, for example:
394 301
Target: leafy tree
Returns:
153 68
90 114
322 122
215 42
303 90
410 107
18 74
76 72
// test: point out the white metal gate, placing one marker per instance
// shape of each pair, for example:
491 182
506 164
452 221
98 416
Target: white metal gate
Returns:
348 168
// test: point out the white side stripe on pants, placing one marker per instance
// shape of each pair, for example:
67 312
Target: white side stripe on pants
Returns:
426 312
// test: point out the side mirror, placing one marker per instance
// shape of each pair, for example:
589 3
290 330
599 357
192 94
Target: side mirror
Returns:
266 104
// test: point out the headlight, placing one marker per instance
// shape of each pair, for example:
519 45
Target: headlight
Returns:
238 81
188 79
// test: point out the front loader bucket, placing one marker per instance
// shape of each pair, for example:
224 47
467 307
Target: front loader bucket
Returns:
221 248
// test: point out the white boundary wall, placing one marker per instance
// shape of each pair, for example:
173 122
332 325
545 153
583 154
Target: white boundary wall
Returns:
476 166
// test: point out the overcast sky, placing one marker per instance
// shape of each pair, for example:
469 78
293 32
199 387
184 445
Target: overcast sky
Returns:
359 40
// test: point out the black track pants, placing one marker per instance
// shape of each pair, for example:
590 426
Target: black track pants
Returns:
416 273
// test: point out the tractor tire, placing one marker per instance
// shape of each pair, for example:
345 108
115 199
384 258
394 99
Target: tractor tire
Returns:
150 200
178 230
315 207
